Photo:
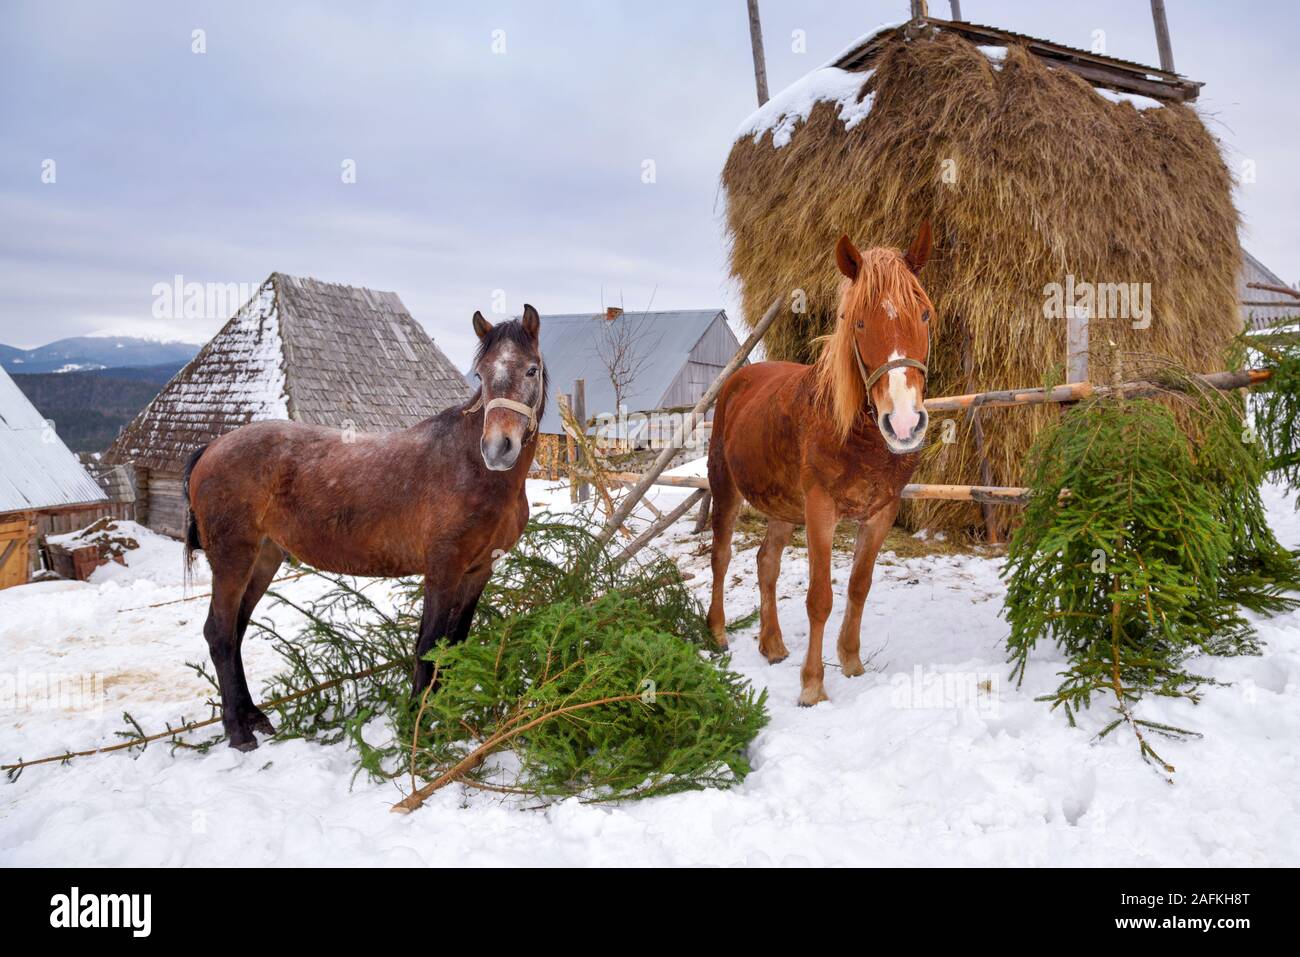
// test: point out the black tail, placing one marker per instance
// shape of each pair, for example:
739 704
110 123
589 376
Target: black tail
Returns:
192 543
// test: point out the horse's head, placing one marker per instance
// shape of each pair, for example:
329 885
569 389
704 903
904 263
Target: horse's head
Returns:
878 352
512 390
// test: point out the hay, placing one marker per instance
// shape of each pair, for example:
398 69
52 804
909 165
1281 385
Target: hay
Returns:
1051 179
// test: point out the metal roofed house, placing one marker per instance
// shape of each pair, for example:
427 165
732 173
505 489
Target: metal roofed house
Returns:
673 357
1257 310
39 475
300 349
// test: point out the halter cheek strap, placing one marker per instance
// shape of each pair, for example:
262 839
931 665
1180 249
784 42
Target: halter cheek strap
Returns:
871 379
530 412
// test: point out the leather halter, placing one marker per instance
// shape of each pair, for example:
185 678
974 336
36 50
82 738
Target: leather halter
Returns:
531 412
869 380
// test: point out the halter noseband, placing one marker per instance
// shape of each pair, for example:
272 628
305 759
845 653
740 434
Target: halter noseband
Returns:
531 412
868 380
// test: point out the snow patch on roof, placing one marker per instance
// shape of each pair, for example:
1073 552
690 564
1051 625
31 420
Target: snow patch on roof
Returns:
784 112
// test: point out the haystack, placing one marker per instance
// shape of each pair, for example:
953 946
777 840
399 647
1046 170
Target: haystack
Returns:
1030 176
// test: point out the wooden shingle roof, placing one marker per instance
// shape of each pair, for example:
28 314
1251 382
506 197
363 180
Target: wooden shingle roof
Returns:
301 349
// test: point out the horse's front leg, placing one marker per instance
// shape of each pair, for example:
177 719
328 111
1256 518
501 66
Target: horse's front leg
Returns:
440 597
819 517
871 535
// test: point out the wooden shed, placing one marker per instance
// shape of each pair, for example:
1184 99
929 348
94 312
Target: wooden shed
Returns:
39 477
300 349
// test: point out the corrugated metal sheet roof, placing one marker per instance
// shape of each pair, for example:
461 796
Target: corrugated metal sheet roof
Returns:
571 346
36 469
1258 317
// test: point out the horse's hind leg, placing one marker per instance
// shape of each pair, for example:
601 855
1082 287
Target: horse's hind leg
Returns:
268 562
726 504
770 642
232 570
871 535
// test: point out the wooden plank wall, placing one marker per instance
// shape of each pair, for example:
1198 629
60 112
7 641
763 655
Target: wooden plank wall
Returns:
166 503
15 534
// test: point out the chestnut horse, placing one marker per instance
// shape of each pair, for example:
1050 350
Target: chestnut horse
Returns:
441 499
809 445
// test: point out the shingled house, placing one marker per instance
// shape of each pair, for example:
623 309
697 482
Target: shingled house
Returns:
301 349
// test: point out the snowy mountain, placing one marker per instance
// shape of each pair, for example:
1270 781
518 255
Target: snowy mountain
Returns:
83 353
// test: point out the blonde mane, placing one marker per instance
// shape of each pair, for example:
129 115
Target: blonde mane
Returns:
838 386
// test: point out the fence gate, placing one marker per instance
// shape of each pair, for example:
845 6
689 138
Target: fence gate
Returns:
15 561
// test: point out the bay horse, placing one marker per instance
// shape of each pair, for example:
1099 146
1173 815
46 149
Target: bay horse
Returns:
809 445
441 499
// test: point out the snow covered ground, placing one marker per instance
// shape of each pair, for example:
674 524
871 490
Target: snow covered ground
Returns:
934 758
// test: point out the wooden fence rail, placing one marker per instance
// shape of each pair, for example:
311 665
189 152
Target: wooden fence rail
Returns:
995 494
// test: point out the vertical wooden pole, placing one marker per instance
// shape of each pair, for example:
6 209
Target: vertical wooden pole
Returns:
571 456
919 9
992 527
1162 36
1076 345
702 519
956 9
580 416
760 61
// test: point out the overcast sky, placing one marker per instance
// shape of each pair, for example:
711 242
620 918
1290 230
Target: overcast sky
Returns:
476 170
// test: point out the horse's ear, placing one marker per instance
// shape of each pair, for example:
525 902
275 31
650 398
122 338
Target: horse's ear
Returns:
919 252
847 257
481 325
532 321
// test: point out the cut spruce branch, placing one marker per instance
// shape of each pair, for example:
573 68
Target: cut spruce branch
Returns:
689 423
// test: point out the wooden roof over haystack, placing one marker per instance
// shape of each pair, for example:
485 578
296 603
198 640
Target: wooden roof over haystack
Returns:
305 350
1126 76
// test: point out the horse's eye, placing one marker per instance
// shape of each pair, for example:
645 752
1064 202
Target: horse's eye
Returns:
925 317
859 323
532 372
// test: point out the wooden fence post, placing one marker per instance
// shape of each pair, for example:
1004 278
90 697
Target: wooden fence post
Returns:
992 527
580 416
1076 345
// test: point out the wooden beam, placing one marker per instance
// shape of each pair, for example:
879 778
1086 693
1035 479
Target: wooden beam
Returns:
1285 290
1162 35
1224 381
689 423
982 494
654 530
756 45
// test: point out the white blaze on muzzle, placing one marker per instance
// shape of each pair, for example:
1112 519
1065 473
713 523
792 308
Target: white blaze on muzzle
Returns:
531 412
906 414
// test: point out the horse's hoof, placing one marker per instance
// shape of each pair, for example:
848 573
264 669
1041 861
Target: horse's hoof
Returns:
852 668
776 657
812 695
243 742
